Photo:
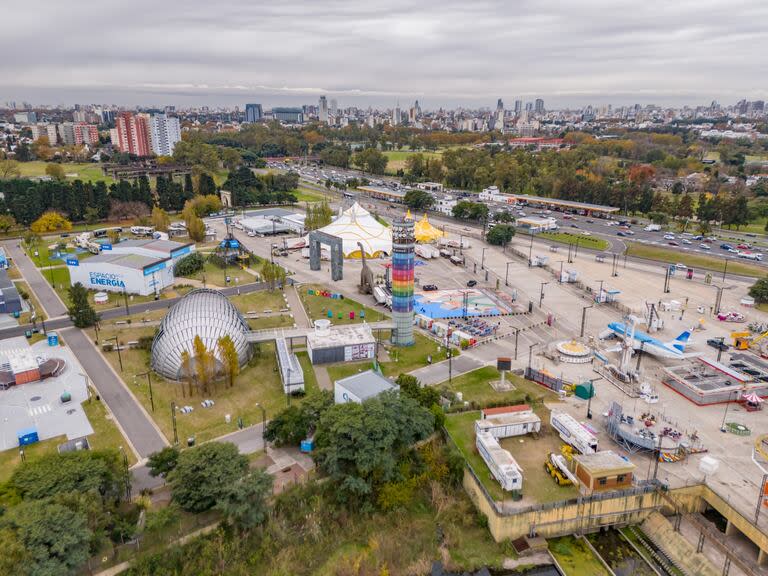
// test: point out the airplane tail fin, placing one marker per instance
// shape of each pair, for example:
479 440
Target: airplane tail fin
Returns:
680 342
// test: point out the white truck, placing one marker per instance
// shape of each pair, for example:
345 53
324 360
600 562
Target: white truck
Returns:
652 228
427 252
573 433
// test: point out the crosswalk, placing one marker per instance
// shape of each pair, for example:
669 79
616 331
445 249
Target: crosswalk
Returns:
39 410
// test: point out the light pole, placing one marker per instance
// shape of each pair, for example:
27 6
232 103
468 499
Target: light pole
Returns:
541 294
560 278
173 420
482 260
725 268
263 424
725 414
584 318
530 355
600 293
506 275
117 347
517 333
148 374
530 252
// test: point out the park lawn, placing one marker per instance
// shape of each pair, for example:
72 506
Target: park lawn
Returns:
694 260
396 158
106 434
255 302
258 382
31 299
213 276
475 387
85 171
575 557
317 307
271 321
590 242
304 194
310 378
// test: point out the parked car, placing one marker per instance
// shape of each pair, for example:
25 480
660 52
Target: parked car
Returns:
673 243
472 283
717 344
429 287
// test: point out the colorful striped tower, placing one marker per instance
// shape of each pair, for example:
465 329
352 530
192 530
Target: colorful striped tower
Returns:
403 253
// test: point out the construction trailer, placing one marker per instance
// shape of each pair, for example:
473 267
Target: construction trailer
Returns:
508 421
500 462
573 433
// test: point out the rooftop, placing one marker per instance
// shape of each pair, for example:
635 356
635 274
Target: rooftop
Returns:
151 244
341 336
487 412
134 261
604 462
366 384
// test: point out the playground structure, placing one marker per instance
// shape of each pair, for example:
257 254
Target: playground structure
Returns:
574 352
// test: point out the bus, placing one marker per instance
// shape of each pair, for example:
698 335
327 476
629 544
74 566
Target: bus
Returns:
142 230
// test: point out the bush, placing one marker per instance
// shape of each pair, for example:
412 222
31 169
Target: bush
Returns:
189 265
145 342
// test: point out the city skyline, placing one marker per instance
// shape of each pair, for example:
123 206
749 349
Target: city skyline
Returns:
443 54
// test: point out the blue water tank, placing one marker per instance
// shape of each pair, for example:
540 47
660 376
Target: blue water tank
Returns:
307 445
53 339
27 436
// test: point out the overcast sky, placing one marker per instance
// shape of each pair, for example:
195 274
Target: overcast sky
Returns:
442 52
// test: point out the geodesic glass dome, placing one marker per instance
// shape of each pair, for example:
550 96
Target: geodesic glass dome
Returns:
205 313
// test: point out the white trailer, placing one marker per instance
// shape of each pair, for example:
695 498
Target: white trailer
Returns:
500 462
426 251
508 425
652 228
380 295
573 433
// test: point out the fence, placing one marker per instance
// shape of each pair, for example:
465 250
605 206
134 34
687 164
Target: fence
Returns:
551 382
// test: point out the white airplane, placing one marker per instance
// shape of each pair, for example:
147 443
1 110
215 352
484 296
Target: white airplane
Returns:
674 349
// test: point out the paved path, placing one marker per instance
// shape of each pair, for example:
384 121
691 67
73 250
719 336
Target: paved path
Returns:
46 295
136 424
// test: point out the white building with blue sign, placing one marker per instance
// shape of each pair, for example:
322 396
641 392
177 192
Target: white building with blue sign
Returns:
142 267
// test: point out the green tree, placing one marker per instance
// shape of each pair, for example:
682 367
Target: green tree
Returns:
55 171
759 290
203 475
80 311
293 424
359 446
9 169
245 502
206 185
51 221
205 365
370 160
229 358
92 215
160 219
98 470
55 538
6 223
189 265
198 154
419 199
162 462
500 234
195 228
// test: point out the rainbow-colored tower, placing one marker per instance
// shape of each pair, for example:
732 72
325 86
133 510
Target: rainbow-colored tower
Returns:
403 253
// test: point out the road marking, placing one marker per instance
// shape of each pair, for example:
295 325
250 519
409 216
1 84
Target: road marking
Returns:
40 410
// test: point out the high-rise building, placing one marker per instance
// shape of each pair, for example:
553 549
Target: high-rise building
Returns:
288 115
25 117
253 112
164 133
323 110
539 108
132 132
86 134
403 255
47 130
334 107
396 119
79 115
518 107
67 133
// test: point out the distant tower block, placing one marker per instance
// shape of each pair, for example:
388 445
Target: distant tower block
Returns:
403 246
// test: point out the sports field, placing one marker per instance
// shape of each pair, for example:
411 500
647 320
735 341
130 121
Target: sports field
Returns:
86 171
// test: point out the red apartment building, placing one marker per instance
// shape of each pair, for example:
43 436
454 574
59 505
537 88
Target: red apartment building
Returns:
133 134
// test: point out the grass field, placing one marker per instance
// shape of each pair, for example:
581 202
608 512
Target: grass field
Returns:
214 277
85 171
318 307
396 158
695 261
259 301
308 195
575 557
26 317
258 382
590 242
475 387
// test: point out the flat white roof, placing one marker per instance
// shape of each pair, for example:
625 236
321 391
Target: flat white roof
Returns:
341 336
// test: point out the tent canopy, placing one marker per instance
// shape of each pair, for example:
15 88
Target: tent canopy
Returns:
425 232
752 398
355 225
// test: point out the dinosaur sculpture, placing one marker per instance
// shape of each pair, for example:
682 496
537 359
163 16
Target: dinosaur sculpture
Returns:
366 274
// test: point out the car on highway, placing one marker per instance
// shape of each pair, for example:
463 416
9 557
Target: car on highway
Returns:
471 283
589 221
567 217
698 238
669 236
705 246
586 233
429 287
717 344
744 246
686 241
733 250
620 233
681 266
726 247
574 226
673 243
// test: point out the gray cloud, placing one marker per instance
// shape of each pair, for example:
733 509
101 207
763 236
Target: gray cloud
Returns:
445 52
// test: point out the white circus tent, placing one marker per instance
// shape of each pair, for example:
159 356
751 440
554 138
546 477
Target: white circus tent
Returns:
355 225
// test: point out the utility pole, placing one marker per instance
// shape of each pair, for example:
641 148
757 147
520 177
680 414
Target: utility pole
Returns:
125 297
666 280
173 419
506 275
541 294
117 347
530 354
482 260
560 278
263 424
148 374
530 253
517 333
584 317
725 268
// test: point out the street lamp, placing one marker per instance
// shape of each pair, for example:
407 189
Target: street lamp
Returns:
530 354
600 293
263 424
560 278
117 347
482 260
725 268
541 294
530 252
506 275
722 426
148 374
584 317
